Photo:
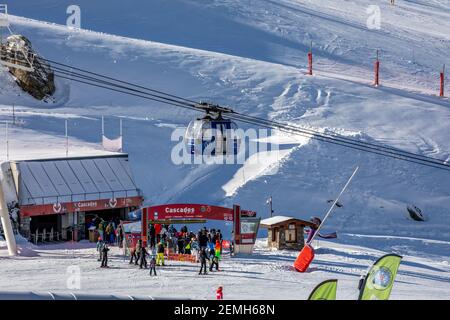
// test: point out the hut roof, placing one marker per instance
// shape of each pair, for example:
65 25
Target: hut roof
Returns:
283 220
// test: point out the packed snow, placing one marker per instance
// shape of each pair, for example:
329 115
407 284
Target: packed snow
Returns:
265 274
251 56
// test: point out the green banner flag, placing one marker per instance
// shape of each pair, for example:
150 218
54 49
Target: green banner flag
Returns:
379 281
324 291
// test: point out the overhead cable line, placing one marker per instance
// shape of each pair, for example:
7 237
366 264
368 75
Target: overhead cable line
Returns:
110 83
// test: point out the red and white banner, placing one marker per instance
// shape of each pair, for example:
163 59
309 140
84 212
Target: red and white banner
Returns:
89 205
192 212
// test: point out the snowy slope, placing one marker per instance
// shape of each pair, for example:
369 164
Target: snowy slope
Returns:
265 275
280 31
248 58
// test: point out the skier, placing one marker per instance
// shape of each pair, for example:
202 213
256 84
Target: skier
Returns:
203 239
153 265
152 236
214 262
195 250
135 253
219 293
143 257
99 248
105 250
107 236
100 229
203 261
180 243
218 249
211 249
220 238
160 254
119 236
187 249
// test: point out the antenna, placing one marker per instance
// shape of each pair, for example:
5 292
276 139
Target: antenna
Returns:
7 141
4 21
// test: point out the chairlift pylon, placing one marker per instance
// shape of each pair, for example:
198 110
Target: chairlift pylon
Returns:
4 21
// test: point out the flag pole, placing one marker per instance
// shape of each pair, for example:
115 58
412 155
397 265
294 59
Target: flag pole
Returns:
7 141
333 205
121 139
67 140
103 132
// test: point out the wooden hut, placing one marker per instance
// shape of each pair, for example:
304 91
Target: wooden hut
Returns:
285 232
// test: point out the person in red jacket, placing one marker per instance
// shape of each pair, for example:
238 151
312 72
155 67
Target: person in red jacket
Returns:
219 293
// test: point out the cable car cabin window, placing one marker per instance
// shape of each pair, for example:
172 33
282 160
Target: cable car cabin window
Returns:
205 131
190 131
291 233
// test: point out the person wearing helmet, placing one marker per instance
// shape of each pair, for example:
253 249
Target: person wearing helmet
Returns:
203 261
160 254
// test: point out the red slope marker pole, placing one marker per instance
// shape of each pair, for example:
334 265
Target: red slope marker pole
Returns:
310 61
377 71
441 91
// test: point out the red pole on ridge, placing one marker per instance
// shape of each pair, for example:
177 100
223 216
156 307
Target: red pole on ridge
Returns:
377 71
310 61
441 91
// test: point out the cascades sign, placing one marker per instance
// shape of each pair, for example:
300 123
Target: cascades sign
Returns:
90 205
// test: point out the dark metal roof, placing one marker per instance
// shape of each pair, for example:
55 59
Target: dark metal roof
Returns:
48 181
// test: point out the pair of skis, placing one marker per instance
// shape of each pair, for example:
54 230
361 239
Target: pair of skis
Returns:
306 255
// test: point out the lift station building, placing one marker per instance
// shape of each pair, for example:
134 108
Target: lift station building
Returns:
66 194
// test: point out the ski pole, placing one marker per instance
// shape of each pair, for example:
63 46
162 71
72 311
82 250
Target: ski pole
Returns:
333 205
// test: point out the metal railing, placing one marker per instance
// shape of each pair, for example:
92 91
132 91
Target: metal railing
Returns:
45 237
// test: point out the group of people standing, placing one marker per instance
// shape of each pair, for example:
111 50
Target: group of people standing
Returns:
210 244
110 231
206 246
139 256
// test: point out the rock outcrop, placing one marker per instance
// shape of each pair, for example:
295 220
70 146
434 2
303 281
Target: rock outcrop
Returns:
39 82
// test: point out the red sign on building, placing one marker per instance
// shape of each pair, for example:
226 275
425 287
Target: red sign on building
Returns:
84 206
